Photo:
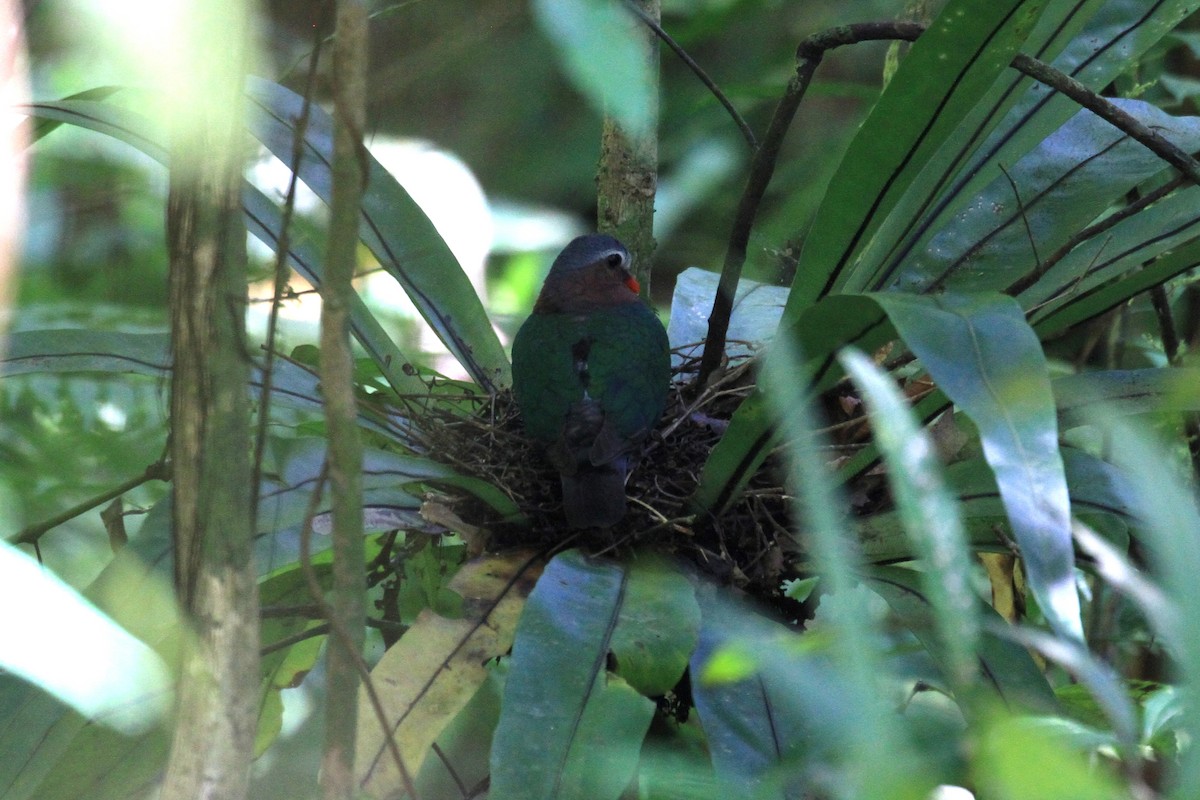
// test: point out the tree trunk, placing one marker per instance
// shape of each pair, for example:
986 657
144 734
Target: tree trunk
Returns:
347 609
210 434
627 177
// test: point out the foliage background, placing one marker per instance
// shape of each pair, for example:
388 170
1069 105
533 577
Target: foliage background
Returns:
481 81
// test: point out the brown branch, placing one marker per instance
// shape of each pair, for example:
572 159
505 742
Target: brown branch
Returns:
809 55
627 175
211 524
1109 111
344 636
1142 203
158 471
346 608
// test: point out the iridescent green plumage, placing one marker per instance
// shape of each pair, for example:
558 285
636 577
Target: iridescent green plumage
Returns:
591 370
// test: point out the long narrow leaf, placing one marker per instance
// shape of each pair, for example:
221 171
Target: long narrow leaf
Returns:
1091 45
1172 523
436 668
1004 666
854 653
930 517
1027 214
936 88
395 229
984 356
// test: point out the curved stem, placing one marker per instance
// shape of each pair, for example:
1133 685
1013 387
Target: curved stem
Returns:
809 54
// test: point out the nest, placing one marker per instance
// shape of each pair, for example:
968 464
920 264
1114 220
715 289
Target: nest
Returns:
752 544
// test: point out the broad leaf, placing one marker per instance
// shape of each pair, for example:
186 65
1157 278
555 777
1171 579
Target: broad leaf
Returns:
568 727
1005 667
437 667
1100 495
78 350
657 630
620 83
983 355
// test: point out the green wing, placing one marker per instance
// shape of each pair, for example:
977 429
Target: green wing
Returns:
543 376
629 369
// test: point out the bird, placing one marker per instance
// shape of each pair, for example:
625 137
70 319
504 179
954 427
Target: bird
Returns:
591 370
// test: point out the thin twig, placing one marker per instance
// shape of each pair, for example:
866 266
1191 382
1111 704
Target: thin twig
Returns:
158 471
283 245
1142 203
697 70
345 639
808 55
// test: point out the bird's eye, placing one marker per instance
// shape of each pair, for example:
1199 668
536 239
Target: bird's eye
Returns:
615 260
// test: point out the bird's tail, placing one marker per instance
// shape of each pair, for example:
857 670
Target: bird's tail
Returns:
594 495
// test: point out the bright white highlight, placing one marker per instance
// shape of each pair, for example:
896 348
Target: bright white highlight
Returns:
54 638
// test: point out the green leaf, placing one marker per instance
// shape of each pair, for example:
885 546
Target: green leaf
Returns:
394 228
127 687
286 667
1102 297
1102 681
305 255
792 718
822 330
52 753
854 650
1005 667
1023 217
1017 758
930 517
1092 46
752 722
1168 507
658 627
115 352
568 728
603 49
898 156
1100 494
1133 391
1135 241
983 355
77 350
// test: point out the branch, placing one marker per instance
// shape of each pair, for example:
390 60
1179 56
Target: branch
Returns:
283 245
346 611
697 70
158 471
627 175
809 55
